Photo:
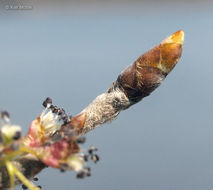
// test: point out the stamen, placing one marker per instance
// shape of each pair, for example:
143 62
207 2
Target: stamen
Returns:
35 179
92 149
17 135
84 173
47 102
5 117
61 111
88 170
86 158
80 175
24 186
53 108
4 114
95 158
67 119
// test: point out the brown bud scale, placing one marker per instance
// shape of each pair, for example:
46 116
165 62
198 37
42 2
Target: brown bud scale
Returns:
150 69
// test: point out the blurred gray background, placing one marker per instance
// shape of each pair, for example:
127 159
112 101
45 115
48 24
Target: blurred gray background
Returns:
72 51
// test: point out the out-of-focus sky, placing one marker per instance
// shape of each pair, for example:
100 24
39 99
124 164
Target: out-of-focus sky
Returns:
72 52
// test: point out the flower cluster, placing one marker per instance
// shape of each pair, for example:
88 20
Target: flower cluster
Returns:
11 148
53 137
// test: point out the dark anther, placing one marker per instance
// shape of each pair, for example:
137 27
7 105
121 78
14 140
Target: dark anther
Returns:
58 112
17 135
61 111
47 101
85 158
35 179
4 114
62 170
53 108
64 118
88 171
24 186
92 149
81 140
95 158
39 186
67 119
81 175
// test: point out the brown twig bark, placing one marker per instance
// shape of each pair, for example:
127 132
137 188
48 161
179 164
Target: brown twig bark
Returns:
133 84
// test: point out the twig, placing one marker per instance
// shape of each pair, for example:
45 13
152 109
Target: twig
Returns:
133 84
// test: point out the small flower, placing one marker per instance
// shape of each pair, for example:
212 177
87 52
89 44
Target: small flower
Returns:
53 137
9 134
11 148
51 119
43 127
